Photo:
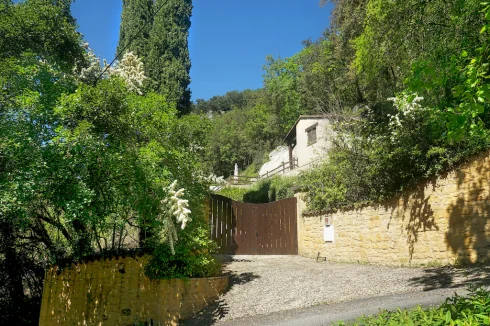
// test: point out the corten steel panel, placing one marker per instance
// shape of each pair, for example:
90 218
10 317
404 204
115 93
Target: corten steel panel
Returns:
254 229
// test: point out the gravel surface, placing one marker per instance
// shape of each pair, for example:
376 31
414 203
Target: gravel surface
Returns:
265 284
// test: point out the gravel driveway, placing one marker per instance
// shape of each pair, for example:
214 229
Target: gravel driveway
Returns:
267 284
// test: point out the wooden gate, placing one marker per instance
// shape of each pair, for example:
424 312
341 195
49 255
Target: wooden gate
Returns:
254 229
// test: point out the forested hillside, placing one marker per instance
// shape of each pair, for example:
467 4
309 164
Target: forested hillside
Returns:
404 82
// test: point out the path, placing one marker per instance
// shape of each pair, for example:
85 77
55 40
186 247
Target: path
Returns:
265 285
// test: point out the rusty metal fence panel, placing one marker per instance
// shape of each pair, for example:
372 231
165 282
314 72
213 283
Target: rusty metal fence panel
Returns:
253 229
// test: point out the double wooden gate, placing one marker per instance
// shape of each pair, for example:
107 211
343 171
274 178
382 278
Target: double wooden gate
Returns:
254 229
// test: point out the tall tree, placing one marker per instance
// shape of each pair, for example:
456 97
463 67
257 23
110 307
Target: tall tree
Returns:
168 63
136 14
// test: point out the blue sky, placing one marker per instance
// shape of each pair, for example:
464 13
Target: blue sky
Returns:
228 41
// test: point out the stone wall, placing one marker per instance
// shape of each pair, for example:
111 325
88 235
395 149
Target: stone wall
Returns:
116 292
441 221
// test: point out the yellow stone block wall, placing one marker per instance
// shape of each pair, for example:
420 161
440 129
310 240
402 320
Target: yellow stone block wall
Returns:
441 221
117 292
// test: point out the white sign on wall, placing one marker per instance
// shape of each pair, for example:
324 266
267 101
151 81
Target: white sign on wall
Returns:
328 230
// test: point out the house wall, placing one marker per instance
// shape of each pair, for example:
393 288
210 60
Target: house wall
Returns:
442 221
305 153
117 292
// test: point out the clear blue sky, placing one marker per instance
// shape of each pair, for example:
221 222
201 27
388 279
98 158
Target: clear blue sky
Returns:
229 39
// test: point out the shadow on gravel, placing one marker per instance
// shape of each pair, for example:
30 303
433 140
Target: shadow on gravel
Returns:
219 309
452 277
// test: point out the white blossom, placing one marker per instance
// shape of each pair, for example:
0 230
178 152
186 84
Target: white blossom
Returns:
92 72
214 179
174 205
407 107
130 69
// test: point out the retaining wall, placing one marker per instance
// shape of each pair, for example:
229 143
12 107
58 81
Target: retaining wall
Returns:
116 292
441 221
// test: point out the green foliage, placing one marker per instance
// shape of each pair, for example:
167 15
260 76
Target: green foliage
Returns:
281 81
432 57
192 257
264 191
168 62
473 309
83 168
136 14
42 27
38 49
234 193
377 153
227 102
469 116
243 136
162 45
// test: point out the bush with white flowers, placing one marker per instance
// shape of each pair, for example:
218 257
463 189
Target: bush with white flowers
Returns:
131 70
408 111
174 206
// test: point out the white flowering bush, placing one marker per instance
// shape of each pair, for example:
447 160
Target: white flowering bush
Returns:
93 70
408 111
174 206
215 180
131 70
182 253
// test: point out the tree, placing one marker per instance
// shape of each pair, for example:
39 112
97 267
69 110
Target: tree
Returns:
231 100
39 48
281 80
42 27
168 63
136 14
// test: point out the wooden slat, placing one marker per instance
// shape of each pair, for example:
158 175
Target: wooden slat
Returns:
224 231
276 232
259 230
295 225
291 225
229 227
283 231
246 233
239 224
215 217
219 233
270 225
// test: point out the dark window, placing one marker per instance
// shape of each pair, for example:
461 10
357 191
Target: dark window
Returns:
311 133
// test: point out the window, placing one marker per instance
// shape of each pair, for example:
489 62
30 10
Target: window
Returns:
311 133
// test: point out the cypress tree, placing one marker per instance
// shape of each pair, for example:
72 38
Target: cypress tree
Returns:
168 63
135 14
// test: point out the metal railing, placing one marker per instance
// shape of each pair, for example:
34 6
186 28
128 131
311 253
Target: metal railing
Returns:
283 168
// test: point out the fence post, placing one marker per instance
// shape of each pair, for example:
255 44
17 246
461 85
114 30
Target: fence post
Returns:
283 167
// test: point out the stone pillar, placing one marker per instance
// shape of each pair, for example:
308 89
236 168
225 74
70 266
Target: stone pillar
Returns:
300 207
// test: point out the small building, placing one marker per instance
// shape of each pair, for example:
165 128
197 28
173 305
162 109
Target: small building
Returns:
308 140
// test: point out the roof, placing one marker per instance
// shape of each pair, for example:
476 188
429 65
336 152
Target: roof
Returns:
292 131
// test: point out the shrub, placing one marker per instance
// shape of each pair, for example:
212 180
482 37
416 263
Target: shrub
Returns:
234 193
473 309
192 258
264 191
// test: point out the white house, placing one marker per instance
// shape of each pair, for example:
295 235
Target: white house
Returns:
307 141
